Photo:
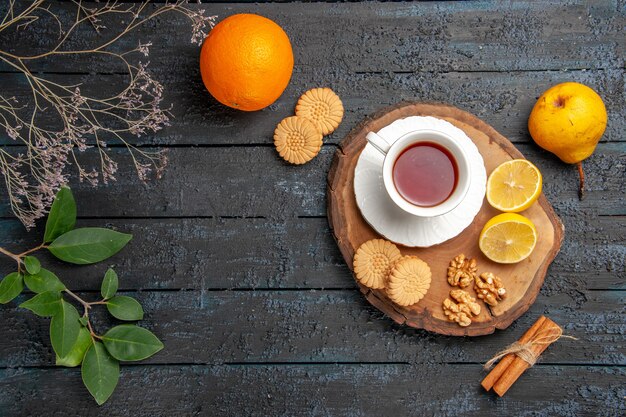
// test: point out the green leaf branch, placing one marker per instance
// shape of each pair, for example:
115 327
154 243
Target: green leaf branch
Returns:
72 335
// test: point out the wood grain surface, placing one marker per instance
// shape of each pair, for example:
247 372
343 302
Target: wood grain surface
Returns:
522 280
235 263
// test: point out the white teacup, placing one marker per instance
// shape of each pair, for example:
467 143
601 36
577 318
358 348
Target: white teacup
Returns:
393 151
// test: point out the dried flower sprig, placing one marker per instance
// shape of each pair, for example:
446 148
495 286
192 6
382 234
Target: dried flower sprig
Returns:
81 121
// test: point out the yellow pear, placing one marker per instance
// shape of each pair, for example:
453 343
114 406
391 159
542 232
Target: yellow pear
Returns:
568 120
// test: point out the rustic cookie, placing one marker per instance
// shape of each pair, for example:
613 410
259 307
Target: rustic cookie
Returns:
373 261
408 281
297 140
323 107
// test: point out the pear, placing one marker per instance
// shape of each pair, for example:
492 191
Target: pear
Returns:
568 120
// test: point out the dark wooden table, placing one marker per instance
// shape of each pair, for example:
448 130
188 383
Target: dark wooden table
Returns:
240 276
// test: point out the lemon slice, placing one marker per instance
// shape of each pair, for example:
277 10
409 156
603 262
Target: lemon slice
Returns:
508 238
514 186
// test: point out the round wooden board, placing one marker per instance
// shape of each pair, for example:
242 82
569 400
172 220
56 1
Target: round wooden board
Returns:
522 281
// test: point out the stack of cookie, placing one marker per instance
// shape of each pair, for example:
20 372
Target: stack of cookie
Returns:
298 139
378 264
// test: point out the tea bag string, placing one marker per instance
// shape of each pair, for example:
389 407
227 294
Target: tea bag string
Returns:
524 351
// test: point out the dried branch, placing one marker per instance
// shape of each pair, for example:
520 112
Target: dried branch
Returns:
81 121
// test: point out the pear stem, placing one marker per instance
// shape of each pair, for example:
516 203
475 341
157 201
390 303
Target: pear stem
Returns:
581 174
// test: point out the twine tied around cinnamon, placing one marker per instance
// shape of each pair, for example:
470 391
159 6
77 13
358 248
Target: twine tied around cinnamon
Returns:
524 351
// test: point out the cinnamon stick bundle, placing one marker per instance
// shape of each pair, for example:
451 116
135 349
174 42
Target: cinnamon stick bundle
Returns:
521 355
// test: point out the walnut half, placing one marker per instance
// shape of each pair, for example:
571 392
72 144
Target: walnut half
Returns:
462 271
462 311
489 288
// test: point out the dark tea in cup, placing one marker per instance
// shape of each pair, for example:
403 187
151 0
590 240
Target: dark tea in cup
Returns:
425 174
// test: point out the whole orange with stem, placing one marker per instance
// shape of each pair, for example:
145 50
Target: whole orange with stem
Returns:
568 120
246 62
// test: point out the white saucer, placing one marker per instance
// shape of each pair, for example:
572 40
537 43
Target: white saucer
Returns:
394 223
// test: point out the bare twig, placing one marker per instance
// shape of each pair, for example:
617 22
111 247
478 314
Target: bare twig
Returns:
82 121
10 255
77 298
35 249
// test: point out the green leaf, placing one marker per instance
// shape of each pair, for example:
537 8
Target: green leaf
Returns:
100 373
32 264
64 328
109 284
10 287
125 308
43 281
83 320
62 217
46 304
77 353
88 245
128 342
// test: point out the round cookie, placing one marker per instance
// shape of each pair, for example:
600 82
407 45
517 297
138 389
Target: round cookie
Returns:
373 261
323 107
297 140
408 281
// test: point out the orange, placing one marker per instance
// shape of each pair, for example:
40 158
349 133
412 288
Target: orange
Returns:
246 62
